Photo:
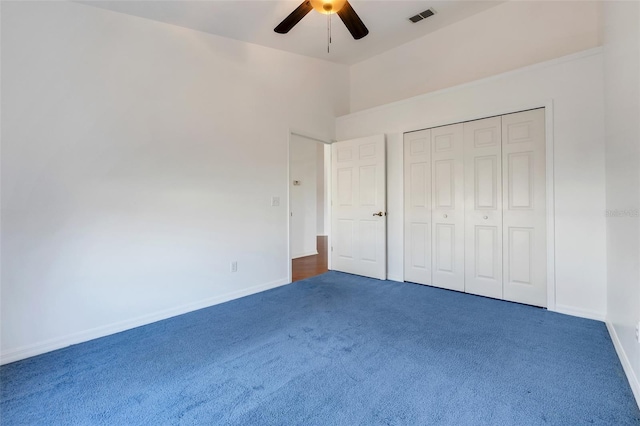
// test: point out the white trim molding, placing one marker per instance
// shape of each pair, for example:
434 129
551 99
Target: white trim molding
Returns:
311 253
626 364
551 206
84 336
578 312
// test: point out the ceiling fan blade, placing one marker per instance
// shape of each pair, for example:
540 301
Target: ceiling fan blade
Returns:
294 17
352 21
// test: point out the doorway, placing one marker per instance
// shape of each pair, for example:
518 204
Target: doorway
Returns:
309 162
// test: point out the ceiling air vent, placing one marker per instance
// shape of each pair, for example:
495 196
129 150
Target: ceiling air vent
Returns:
422 15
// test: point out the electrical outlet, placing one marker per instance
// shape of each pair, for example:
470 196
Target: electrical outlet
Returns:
234 266
275 201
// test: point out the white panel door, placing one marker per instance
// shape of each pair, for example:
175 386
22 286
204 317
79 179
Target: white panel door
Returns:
417 207
359 222
524 207
447 180
483 207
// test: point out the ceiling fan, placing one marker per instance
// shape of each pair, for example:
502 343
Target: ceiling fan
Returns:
328 7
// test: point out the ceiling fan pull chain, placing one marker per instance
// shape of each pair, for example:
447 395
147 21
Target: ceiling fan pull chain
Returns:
328 33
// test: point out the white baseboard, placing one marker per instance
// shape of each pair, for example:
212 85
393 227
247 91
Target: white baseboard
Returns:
395 278
624 360
94 333
579 312
311 253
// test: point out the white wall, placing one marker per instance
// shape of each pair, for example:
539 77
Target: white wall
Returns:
622 121
138 160
303 163
574 85
505 37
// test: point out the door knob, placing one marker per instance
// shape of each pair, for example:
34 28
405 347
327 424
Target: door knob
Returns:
378 214
444 215
486 217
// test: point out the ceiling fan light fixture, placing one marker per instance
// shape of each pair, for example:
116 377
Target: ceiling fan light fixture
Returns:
327 7
345 11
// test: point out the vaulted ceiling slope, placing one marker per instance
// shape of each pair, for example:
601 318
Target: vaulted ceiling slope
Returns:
253 21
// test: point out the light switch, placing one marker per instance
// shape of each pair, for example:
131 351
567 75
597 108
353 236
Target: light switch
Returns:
275 201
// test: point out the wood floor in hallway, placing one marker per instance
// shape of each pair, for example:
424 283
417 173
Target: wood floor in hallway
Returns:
310 266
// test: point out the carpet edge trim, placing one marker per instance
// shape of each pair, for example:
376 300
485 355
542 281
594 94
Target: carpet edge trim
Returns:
106 330
624 360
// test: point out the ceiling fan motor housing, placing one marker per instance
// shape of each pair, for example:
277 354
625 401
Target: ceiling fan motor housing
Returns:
328 6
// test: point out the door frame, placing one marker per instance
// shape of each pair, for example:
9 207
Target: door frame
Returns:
547 104
306 135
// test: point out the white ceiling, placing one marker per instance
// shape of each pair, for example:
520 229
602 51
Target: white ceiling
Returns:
253 21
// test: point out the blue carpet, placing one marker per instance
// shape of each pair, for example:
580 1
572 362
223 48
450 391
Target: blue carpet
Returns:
333 350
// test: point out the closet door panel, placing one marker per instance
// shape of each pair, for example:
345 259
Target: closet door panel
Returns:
447 167
417 207
483 207
524 210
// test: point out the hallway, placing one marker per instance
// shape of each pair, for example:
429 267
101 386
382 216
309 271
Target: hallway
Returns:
310 266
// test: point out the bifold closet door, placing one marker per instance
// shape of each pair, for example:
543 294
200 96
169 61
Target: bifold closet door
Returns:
417 207
447 171
524 211
483 207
